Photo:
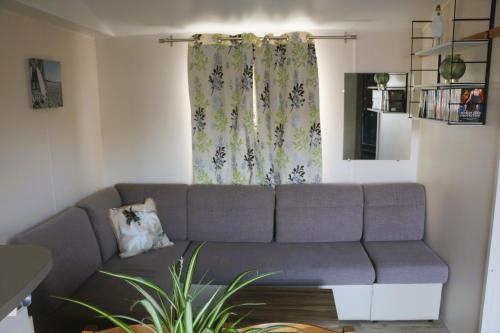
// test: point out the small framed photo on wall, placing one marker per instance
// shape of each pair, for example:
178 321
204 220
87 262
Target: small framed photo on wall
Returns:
46 85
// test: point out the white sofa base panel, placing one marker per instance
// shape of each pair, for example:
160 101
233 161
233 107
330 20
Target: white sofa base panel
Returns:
406 301
352 302
388 302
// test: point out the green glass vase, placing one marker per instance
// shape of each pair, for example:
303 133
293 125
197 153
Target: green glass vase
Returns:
452 69
381 79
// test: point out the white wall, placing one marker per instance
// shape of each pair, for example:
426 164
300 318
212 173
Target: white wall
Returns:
458 167
145 107
490 321
145 112
371 52
52 157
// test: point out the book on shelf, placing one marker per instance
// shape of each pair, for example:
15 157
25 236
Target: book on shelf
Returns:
379 100
454 105
389 100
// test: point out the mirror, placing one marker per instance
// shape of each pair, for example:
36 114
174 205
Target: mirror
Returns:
376 125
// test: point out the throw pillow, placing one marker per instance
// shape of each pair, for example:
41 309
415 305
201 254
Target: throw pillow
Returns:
137 228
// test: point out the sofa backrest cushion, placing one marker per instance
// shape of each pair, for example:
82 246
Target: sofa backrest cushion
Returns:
230 213
97 207
171 204
75 252
319 213
394 212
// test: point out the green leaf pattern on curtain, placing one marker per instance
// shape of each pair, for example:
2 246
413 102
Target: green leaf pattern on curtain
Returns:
288 121
221 95
276 140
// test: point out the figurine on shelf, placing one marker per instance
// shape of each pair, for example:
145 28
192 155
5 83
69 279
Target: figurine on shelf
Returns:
437 27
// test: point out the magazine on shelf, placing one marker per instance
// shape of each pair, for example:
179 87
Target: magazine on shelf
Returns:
471 108
454 105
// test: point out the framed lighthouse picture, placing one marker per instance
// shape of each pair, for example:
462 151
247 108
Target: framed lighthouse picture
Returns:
46 85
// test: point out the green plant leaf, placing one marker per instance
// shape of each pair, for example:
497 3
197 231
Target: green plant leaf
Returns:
164 316
205 307
153 314
230 330
178 328
164 309
200 288
191 268
188 318
221 322
237 284
239 320
238 278
139 280
207 330
103 313
136 321
232 307
178 297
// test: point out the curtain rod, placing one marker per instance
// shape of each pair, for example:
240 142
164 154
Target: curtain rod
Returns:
171 40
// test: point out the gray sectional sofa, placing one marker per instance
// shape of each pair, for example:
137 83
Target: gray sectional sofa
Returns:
363 241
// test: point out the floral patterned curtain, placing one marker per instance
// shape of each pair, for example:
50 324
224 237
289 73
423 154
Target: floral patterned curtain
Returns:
221 94
289 131
277 140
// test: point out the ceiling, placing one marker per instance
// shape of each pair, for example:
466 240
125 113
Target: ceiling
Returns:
143 17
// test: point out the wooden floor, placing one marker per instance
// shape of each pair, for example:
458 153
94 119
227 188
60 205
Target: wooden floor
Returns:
285 305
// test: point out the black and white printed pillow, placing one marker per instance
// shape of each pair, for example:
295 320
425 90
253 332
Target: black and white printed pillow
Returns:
137 228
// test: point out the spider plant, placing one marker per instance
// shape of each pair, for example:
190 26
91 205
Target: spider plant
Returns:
173 313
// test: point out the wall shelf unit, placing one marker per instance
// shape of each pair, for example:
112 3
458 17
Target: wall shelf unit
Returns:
383 111
452 103
386 88
441 121
446 47
447 85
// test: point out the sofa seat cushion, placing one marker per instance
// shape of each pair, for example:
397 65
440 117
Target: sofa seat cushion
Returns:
301 264
406 262
116 296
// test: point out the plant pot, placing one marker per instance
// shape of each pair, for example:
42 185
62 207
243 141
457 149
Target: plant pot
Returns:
294 327
135 328
452 69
